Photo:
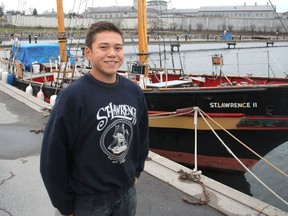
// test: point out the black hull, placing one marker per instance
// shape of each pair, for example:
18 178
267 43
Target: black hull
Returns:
257 129
178 145
250 100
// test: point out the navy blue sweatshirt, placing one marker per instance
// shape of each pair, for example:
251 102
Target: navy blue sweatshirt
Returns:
96 140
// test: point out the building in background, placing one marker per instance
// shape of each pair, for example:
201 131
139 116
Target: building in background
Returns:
246 18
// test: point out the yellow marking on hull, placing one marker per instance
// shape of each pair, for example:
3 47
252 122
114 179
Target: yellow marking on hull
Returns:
187 122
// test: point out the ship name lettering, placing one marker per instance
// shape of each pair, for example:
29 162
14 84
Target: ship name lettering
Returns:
232 105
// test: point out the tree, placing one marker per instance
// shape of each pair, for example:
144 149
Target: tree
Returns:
34 12
253 27
199 26
278 28
153 25
1 12
230 27
13 12
2 6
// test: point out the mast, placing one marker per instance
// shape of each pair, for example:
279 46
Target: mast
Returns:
142 35
61 31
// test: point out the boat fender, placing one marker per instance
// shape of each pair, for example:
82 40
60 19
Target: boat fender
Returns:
52 100
141 81
161 76
5 76
147 80
40 94
29 89
10 79
1 71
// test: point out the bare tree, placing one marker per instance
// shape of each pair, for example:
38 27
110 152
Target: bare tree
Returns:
30 10
2 5
244 28
230 27
155 24
199 26
173 26
252 27
119 23
278 28
1 12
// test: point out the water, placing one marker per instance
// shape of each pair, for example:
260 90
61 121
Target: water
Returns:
275 180
248 184
246 58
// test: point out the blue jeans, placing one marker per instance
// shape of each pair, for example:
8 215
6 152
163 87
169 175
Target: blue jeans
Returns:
107 204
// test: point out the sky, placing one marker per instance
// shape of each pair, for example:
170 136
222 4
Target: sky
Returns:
47 5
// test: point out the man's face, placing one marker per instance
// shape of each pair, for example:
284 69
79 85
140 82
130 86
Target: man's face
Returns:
106 55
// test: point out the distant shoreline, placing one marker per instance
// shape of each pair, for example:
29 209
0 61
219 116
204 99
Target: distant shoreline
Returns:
167 42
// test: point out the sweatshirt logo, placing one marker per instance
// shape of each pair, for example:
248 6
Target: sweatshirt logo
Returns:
116 124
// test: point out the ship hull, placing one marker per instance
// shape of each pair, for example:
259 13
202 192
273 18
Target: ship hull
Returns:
179 145
257 116
254 114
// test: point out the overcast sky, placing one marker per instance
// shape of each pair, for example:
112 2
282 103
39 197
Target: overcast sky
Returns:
47 5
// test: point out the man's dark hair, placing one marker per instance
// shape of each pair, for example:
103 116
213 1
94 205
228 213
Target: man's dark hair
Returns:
99 27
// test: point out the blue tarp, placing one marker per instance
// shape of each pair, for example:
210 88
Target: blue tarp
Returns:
29 53
226 36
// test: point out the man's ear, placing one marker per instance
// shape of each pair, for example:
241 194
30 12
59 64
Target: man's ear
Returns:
87 53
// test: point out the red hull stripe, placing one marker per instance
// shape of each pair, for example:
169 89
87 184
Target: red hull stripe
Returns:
209 114
211 162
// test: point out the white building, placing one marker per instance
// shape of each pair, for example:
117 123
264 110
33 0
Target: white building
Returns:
241 12
233 18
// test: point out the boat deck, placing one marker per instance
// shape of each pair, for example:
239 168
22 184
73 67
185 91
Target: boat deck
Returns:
159 191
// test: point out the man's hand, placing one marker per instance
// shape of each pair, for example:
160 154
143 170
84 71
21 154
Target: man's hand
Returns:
136 181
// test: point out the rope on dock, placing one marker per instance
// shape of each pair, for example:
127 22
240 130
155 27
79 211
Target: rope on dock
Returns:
184 176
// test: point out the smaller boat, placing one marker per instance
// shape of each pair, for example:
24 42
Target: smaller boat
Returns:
42 68
38 66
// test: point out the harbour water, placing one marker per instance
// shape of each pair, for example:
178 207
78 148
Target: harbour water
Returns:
248 58
247 184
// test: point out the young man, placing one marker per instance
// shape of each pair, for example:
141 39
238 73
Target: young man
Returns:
96 140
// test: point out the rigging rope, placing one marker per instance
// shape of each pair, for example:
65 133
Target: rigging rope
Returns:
191 110
259 156
239 161
278 17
